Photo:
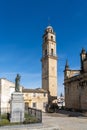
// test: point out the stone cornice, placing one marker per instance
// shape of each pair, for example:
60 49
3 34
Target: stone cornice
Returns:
49 40
49 56
76 78
49 32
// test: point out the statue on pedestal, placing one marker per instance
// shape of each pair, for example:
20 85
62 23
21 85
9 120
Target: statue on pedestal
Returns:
17 83
17 103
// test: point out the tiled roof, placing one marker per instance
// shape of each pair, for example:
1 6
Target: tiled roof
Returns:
38 90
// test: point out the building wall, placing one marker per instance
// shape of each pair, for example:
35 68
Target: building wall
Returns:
83 93
45 84
7 88
76 95
71 95
38 98
49 75
52 76
85 66
76 87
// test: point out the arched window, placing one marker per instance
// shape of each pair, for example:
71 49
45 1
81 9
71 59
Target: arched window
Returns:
52 52
45 52
52 38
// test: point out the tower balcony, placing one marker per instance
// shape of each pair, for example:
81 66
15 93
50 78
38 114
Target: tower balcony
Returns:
54 56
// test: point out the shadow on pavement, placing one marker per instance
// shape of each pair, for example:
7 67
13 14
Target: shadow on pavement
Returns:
65 113
72 114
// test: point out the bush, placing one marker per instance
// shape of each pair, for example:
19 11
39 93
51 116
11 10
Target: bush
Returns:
30 119
3 116
63 108
4 122
27 115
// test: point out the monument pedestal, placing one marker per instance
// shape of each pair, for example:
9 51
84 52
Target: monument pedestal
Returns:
17 107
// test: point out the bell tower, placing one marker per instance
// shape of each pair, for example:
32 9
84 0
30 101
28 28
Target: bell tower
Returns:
49 62
83 56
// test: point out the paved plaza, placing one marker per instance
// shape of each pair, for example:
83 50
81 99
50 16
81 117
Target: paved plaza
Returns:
55 121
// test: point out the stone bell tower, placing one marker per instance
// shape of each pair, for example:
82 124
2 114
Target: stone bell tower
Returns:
49 62
83 56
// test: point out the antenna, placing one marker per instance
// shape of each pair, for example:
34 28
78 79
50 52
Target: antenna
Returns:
49 21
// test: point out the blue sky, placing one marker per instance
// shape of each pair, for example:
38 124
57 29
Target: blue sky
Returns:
22 24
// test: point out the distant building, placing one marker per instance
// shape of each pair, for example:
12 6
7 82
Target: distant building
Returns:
75 82
61 101
6 89
49 63
35 98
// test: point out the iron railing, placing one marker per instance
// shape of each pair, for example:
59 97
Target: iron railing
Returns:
31 111
36 113
4 110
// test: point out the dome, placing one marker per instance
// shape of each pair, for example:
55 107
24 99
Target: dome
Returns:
49 29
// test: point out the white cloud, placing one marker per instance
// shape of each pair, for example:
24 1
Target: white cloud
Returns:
30 80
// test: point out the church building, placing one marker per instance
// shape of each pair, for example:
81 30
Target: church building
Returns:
75 82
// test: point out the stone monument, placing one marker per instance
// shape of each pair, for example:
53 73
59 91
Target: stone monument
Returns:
17 103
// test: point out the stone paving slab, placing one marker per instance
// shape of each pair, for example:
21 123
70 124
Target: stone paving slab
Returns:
53 121
29 127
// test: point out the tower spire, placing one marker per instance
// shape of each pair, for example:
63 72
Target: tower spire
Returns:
66 65
83 56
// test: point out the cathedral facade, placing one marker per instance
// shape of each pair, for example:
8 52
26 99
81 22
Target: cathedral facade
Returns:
75 82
